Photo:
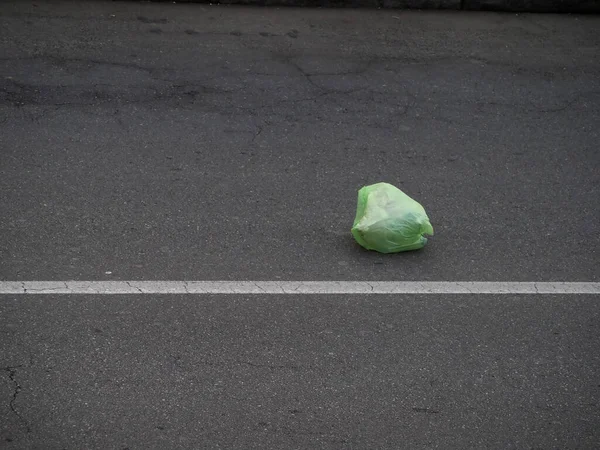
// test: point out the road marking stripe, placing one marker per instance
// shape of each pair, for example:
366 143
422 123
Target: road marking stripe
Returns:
296 287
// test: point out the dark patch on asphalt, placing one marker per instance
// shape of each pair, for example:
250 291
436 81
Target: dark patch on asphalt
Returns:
155 30
191 32
144 19
267 34
293 34
236 33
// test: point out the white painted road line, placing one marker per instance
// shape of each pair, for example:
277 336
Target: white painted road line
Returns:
296 287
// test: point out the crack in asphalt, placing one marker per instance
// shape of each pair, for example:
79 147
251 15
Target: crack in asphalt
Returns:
25 290
134 287
259 286
12 374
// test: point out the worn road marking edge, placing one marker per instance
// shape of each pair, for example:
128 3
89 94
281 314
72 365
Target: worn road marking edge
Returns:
296 287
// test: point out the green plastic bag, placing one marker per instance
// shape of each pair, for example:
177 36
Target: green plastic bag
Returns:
389 221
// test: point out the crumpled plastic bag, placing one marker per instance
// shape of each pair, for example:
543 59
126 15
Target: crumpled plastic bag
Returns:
389 221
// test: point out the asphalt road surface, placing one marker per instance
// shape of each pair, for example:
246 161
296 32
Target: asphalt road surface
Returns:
144 141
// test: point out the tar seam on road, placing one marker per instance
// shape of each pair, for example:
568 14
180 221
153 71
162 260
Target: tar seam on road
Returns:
297 287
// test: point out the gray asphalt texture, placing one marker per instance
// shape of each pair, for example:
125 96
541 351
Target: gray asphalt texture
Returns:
196 142
231 144
310 372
